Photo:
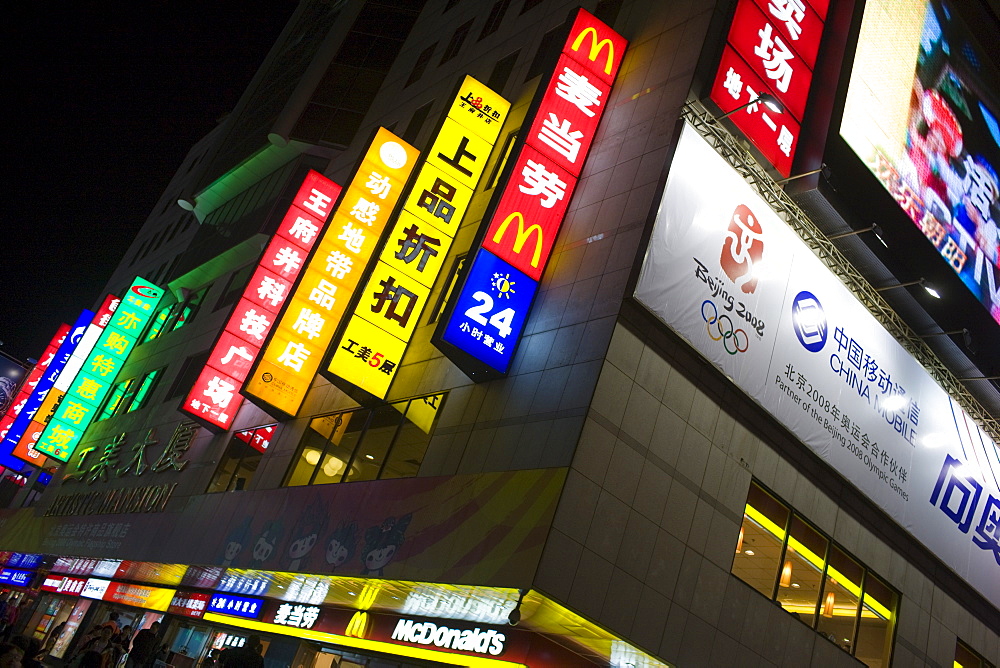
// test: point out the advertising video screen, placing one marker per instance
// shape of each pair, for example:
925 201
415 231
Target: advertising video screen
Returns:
921 112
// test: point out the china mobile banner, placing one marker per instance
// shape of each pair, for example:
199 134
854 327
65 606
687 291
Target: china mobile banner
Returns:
734 280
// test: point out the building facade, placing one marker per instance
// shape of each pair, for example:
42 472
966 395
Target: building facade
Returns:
617 483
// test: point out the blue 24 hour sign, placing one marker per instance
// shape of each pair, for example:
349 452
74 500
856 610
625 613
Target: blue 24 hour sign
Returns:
490 312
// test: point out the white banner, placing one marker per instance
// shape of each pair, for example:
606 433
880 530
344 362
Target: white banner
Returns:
728 275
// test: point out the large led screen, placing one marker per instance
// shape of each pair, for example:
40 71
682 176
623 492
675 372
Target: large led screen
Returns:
921 113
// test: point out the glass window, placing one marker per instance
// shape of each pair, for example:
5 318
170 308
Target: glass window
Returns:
966 657
840 599
143 389
495 18
115 398
874 644
508 146
366 444
801 575
456 269
420 64
237 467
457 40
789 561
762 536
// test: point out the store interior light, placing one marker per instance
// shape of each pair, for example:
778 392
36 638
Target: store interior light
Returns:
828 604
786 574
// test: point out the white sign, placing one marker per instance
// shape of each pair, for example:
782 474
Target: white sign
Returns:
467 640
733 279
95 588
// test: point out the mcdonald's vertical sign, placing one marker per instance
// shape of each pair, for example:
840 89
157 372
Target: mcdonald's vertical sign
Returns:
486 316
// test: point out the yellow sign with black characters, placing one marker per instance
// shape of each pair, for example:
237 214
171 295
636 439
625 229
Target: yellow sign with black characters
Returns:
419 239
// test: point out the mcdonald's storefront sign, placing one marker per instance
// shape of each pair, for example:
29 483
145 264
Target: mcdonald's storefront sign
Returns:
528 211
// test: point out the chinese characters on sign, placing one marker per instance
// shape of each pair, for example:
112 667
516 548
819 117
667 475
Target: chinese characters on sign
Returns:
215 398
771 48
380 328
489 312
29 409
293 355
28 387
26 446
94 380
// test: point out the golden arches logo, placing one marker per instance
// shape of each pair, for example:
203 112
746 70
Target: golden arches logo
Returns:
596 47
358 626
521 237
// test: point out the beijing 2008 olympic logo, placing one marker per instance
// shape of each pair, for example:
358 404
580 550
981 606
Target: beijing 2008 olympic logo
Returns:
720 328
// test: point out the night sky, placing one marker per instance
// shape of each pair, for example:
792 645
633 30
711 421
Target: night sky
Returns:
101 105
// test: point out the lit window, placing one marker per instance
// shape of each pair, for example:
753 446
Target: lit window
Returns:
242 457
366 444
783 557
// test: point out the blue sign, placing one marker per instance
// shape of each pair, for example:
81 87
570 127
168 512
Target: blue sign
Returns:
491 310
24 560
237 606
45 383
15 577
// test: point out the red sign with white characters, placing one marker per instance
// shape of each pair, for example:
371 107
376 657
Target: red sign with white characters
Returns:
800 26
530 212
567 119
58 584
775 134
189 604
526 221
772 48
214 398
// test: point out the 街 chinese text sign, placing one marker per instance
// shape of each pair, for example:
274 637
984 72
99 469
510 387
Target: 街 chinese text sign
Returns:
734 280
489 312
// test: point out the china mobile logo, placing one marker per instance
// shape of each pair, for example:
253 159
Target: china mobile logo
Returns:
742 247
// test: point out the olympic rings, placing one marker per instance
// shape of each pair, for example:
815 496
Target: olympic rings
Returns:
727 334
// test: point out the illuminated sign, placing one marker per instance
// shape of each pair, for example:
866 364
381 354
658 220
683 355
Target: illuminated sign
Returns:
476 640
95 588
139 596
484 321
94 381
299 616
237 606
63 585
55 366
790 335
189 604
15 577
493 305
25 448
293 354
922 116
24 395
771 48
258 438
18 560
214 398
382 324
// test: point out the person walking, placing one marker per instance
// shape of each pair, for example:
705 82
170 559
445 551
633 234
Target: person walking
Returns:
247 656
143 650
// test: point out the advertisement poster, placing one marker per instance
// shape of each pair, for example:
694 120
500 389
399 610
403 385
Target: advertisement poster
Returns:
921 112
734 280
